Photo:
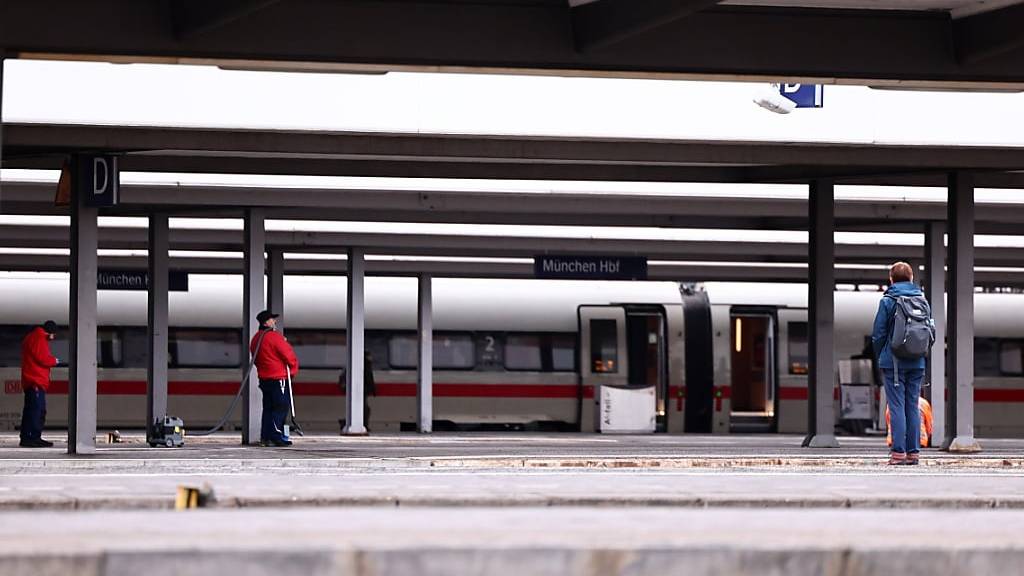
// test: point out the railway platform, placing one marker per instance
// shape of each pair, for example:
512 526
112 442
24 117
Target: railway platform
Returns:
511 504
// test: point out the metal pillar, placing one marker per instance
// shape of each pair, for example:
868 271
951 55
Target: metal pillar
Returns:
425 380
156 327
821 416
275 286
960 408
252 303
82 361
355 324
1 120
935 287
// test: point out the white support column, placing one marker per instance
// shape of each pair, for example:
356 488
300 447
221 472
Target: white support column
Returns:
821 415
355 324
157 325
253 303
82 361
275 286
935 285
425 380
960 408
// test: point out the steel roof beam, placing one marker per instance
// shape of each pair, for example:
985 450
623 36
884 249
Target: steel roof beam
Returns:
989 34
727 41
602 23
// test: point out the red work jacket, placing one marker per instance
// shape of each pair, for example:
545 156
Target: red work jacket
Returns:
275 356
36 360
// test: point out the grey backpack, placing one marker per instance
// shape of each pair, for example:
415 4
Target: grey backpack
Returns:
913 330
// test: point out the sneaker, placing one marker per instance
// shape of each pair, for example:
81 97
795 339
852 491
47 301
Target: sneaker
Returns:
897 459
913 459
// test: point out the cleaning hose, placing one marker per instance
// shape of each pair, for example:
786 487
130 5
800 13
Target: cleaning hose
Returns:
241 389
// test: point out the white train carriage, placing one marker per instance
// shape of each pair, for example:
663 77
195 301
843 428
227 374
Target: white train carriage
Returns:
507 353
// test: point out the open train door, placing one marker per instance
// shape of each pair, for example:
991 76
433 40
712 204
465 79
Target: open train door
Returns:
603 358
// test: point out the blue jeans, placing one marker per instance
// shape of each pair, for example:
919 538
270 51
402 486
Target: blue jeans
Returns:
275 410
904 413
33 416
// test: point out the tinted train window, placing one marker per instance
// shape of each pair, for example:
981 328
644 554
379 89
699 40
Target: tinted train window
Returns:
797 341
134 347
523 352
204 347
319 348
1011 357
541 352
490 352
604 346
451 351
11 336
986 357
563 352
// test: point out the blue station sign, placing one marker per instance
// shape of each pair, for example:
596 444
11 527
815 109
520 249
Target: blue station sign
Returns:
138 280
559 267
804 95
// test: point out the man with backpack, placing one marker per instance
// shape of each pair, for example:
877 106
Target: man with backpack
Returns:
902 335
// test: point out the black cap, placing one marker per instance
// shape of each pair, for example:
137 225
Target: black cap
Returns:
50 327
262 317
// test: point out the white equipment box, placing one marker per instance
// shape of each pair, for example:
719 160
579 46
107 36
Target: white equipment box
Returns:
627 410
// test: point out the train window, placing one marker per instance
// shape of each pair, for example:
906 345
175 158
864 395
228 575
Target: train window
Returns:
797 342
541 352
1011 357
986 357
319 348
563 352
604 346
108 347
134 347
523 352
11 336
451 351
490 351
204 347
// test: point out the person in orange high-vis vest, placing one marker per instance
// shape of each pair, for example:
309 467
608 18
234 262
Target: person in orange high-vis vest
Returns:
926 423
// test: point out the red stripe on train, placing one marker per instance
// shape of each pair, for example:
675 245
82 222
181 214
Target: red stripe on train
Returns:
980 394
465 390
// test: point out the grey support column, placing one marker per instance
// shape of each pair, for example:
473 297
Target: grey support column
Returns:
960 408
355 324
935 286
252 302
157 315
821 416
82 361
425 380
275 286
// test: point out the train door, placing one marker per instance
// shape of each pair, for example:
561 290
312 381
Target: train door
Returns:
753 377
648 354
603 357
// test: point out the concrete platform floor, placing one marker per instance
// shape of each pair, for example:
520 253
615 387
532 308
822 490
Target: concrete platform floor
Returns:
523 504
512 470
514 541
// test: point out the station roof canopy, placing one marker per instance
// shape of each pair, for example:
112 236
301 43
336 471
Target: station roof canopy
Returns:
951 43
424 155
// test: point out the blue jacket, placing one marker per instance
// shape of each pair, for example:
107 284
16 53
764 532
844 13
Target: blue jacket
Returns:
883 327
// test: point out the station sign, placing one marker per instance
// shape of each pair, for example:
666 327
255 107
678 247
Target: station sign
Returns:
558 267
803 95
96 179
138 280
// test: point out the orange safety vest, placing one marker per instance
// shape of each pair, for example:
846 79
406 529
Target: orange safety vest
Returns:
926 423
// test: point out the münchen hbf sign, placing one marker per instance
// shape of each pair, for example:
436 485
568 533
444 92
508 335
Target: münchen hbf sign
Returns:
590 267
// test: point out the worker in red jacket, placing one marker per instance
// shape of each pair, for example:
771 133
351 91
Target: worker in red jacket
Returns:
274 358
36 361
